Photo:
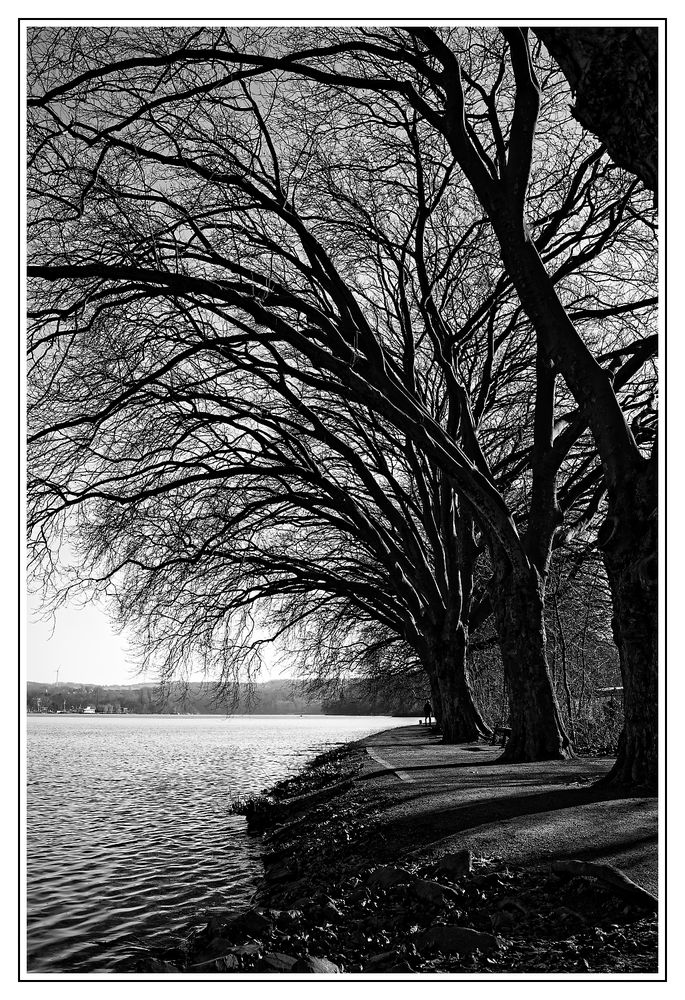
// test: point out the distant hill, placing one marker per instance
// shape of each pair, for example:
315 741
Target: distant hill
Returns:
359 697
279 697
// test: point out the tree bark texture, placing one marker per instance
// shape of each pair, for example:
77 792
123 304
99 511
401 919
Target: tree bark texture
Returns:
629 542
537 729
461 720
436 696
613 74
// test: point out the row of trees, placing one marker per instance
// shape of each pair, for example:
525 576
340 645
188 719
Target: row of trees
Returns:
343 339
195 698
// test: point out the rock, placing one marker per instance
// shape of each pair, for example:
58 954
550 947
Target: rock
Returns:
227 963
455 863
380 962
432 892
316 966
484 881
156 965
287 918
450 938
564 913
402 966
274 961
216 926
278 854
509 903
176 956
253 922
278 873
327 912
383 878
251 948
299 893
503 919
217 946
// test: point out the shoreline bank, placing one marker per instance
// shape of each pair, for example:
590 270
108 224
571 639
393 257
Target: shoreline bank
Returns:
396 855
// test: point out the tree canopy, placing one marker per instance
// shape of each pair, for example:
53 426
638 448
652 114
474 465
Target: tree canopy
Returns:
351 326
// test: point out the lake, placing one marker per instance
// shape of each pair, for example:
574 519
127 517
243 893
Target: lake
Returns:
128 835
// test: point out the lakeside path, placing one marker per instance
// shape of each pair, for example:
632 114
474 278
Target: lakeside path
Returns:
446 798
396 854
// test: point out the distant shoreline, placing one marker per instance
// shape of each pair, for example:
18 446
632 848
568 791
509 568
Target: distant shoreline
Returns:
269 697
228 715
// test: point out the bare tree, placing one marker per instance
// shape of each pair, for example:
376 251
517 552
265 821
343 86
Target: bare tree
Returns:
212 201
499 172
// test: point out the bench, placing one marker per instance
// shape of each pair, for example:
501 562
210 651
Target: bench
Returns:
500 735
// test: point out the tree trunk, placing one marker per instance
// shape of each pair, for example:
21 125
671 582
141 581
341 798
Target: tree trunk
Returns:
537 729
436 696
629 543
614 75
629 536
461 721
592 388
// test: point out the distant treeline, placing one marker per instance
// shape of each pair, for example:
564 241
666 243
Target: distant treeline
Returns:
269 698
358 699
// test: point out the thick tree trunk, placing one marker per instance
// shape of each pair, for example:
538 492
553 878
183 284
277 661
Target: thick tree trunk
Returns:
629 542
436 695
629 537
537 729
460 721
591 386
614 75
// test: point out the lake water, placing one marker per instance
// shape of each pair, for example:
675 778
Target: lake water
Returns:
128 835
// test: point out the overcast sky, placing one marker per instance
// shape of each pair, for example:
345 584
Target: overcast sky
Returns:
85 648
82 644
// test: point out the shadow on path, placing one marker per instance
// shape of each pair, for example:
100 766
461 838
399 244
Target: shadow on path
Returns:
462 796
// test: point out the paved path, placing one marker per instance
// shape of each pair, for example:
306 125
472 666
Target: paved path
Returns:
526 813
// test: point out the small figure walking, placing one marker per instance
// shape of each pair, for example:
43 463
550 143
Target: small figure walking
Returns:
427 712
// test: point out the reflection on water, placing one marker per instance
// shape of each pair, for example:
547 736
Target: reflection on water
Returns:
128 836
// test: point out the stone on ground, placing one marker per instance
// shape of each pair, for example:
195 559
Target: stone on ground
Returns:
274 961
383 878
450 938
316 966
432 892
454 863
253 922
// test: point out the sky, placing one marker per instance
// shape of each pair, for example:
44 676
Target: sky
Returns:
82 644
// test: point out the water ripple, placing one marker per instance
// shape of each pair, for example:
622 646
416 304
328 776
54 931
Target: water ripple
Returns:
128 836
